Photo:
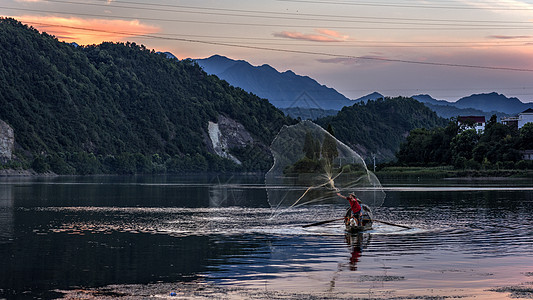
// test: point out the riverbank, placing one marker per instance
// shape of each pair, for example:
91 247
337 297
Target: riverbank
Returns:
13 172
203 290
23 173
449 172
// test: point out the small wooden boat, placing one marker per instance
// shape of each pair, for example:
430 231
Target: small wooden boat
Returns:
366 220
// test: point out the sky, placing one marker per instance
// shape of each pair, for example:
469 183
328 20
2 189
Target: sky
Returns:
448 49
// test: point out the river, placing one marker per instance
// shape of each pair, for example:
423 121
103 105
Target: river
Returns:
203 236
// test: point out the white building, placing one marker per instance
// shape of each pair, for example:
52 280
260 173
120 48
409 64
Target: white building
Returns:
519 121
525 117
527 154
474 122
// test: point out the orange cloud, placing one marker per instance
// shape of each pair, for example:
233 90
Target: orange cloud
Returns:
333 33
324 35
88 31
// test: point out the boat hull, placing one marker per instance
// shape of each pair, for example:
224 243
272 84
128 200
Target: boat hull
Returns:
366 220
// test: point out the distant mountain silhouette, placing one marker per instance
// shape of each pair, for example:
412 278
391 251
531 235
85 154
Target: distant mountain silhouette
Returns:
424 98
283 90
478 104
371 96
493 102
287 90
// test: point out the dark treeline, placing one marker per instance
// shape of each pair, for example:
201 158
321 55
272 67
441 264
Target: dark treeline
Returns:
497 147
119 108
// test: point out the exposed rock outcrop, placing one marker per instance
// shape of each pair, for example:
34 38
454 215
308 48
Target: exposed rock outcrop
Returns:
7 141
228 134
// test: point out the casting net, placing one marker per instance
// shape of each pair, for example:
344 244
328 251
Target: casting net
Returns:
311 167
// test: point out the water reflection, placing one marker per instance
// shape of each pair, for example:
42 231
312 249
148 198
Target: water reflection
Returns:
355 243
227 191
90 232
6 213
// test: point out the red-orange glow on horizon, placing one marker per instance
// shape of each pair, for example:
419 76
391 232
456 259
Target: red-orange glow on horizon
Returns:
88 31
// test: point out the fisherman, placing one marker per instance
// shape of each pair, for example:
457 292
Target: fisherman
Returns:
355 207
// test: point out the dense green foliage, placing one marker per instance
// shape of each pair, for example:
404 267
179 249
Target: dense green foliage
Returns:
119 108
497 147
380 126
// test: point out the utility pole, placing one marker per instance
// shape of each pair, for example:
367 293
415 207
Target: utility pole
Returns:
374 158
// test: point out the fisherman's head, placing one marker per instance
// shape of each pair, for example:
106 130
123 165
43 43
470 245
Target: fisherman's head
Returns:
352 195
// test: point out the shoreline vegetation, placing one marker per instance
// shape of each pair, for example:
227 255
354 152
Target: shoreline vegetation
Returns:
449 172
387 172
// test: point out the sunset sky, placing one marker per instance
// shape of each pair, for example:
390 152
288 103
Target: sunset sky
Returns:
445 48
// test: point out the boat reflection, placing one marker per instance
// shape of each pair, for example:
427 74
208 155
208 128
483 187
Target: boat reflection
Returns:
357 242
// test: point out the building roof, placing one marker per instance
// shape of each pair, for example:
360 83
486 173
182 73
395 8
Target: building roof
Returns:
473 119
528 111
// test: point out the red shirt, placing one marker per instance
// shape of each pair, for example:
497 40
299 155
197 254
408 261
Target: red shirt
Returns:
356 208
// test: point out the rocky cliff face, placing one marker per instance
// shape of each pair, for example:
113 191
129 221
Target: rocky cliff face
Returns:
228 134
7 141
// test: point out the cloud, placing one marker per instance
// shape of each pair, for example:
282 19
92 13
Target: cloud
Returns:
339 60
332 33
514 7
359 60
321 35
88 31
509 37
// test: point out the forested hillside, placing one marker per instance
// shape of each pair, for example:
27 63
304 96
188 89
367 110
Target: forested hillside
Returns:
380 126
119 108
497 147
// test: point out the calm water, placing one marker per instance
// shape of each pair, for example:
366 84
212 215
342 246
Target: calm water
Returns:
468 238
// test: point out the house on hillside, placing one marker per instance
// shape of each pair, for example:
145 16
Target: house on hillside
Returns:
510 121
519 121
527 154
472 122
525 117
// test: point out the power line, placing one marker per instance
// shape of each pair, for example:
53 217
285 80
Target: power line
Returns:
375 4
276 15
455 27
364 43
358 44
426 63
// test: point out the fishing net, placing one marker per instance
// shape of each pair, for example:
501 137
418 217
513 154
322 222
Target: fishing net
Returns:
311 167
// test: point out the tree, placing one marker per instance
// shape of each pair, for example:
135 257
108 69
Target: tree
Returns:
309 146
462 145
329 149
330 130
415 150
526 137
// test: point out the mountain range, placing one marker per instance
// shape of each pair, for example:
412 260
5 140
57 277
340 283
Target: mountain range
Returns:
122 108
282 89
302 96
477 104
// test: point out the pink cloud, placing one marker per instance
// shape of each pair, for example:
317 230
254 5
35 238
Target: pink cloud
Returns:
509 37
321 35
88 31
332 33
359 60
339 60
